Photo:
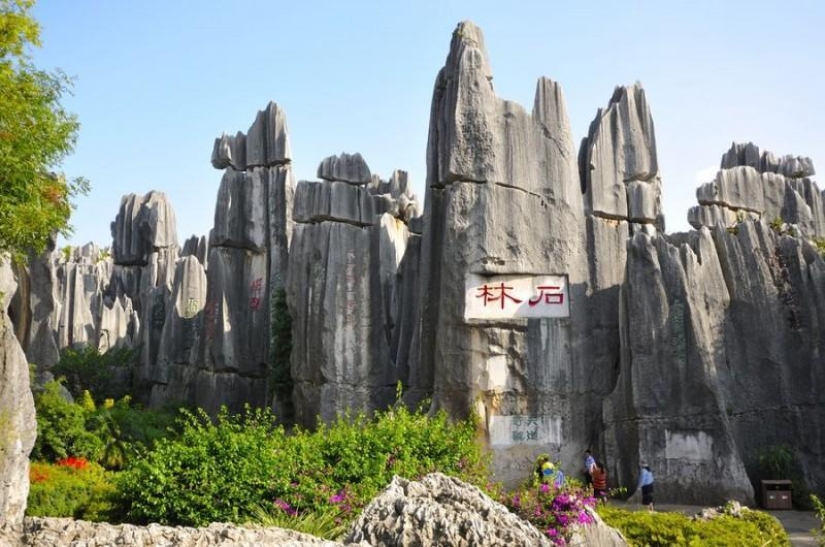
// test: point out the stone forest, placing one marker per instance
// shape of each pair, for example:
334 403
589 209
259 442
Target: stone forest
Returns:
534 285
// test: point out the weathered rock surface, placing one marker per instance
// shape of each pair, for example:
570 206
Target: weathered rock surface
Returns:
341 293
618 161
17 422
441 510
753 184
180 346
493 169
266 144
144 223
350 168
335 201
668 398
248 259
748 154
52 532
197 247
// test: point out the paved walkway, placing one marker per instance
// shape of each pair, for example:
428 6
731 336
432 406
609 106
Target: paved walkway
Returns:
798 524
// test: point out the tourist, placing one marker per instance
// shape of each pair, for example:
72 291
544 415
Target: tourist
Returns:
646 485
589 464
548 473
599 477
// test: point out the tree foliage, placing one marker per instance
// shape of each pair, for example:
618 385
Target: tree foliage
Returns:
36 135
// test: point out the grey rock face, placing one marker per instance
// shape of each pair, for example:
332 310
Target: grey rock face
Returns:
753 184
17 422
668 408
340 291
440 510
349 168
230 151
197 247
336 201
618 161
266 144
180 345
735 188
248 259
49 532
748 154
492 171
143 224
774 325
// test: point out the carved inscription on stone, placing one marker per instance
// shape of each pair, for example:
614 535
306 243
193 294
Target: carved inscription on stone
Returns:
532 430
515 296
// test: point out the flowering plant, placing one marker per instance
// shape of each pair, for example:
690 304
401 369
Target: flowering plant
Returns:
73 462
556 511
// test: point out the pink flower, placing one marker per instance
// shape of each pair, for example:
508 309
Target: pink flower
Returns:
285 507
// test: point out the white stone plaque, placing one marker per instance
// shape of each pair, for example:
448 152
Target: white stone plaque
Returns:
692 445
531 430
515 296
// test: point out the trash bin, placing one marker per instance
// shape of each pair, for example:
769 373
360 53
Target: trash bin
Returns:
776 494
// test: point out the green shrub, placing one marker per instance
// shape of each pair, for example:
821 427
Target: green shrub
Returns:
88 369
819 509
61 427
109 434
648 529
72 488
238 466
210 473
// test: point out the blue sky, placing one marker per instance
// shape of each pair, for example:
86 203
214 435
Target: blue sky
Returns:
157 81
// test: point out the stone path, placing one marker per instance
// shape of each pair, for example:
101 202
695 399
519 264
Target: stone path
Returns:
798 524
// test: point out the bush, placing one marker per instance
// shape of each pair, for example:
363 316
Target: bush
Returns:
212 472
61 427
109 434
648 529
819 509
88 369
72 487
241 467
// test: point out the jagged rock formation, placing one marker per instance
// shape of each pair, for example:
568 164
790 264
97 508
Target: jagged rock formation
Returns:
754 184
265 144
492 170
349 238
17 422
248 259
197 247
441 510
721 331
618 163
621 183
694 350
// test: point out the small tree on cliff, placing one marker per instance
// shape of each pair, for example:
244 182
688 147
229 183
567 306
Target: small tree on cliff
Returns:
36 134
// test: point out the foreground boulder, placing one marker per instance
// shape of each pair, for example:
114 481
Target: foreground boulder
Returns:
51 532
441 510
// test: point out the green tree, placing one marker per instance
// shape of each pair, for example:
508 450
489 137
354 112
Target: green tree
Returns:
36 134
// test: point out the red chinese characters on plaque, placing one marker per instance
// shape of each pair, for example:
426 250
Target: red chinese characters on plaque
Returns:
515 296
